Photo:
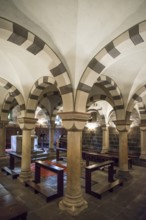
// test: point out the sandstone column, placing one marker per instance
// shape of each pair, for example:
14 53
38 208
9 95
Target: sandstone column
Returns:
143 142
51 135
123 126
73 201
2 138
105 139
26 124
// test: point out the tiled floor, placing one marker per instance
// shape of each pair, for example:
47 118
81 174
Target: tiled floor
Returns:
124 203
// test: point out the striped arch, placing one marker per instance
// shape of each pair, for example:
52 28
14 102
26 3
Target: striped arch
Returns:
18 35
53 116
36 91
12 96
137 99
49 100
95 98
105 57
115 94
99 114
44 109
142 110
111 118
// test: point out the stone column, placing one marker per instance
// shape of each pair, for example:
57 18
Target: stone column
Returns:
143 142
73 201
122 127
51 135
2 138
26 124
105 139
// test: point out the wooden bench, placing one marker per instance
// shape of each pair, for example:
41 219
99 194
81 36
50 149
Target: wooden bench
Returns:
58 149
111 182
42 189
13 155
98 157
8 171
10 209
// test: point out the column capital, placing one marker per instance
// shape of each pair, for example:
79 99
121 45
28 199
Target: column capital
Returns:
104 127
122 125
74 120
27 123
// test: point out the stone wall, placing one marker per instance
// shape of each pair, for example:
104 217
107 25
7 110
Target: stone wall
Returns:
134 141
92 141
113 139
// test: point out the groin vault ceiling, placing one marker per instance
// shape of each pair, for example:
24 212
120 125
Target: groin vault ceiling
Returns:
99 46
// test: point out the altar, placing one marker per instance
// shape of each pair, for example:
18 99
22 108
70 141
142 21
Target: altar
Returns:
16 143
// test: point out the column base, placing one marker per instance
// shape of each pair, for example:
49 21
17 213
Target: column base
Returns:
104 151
73 205
25 176
124 175
142 156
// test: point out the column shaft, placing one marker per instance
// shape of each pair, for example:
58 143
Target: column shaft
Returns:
105 140
73 201
143 143
26 156
123 151
51 136
122 127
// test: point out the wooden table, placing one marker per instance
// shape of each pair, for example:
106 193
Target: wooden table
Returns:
58 149
110 184
38 188
10 170
98 157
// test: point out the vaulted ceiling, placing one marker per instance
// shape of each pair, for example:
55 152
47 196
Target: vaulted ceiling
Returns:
76 31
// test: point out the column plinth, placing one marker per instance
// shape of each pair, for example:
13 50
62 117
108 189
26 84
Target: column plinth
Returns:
73 204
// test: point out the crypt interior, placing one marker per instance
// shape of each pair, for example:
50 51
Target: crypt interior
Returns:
73 102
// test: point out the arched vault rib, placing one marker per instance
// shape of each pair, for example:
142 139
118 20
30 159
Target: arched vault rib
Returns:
12 95
111 94
137 99
20 36
36 92
104 58
115 95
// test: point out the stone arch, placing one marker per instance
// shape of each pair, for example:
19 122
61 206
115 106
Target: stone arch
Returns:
116 96
137 98
98 97
12 95
105 57
36 91
14 33
111 118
